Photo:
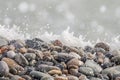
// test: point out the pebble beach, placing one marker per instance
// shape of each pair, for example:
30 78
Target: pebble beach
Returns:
35 59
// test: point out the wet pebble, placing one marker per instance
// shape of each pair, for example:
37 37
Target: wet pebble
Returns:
87 71
11 54
4 69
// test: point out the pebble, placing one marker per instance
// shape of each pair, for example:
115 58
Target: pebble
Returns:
37 74
21 60
60 78
11 54
34 59
30 56
53 72
96 67
4 69
87 71
102 45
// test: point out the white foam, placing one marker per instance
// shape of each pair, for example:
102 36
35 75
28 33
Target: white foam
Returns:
67 37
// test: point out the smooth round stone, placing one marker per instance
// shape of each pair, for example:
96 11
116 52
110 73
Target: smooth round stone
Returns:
63 57
112 70
32 63
87 71
16 77
4 69
93 78
20 59
116 59
3 41
27 77
102 45
60 78
74 62
37 74
4 78
46 68
30 56
90 63
75 55
72 78
11 54
83 77
47 78
52 72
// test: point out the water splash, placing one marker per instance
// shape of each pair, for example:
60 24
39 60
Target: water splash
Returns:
67 37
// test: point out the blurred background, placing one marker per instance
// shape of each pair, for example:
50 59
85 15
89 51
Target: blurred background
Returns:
91 18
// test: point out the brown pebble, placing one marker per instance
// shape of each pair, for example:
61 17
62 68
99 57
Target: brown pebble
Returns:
3 49
11 47
23 50
74 63
57 43
60 78
82 77
52 72
65 71
117 78
102 45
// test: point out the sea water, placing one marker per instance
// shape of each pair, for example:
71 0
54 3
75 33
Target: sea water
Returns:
74 22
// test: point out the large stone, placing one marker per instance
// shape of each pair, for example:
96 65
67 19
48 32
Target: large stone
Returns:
11 54
87 71
21 60
37 74
30 56
102 45
93 65
46 68
112 70
14 67
4 69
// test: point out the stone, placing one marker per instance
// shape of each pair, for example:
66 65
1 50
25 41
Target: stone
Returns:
37 74
30 56
23 50
11 54
57 43
75 55
111 70
90 63
93 78
87 71
52 72
47 78
14 67
21 60
63 57
74 62
72 78
46 68
16 77
4 69
60 78
102 45
26 77
116 59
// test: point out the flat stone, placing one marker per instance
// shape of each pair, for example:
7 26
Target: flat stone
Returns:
52 72
90 63
4 69
11 54
37 74
112 70
87 71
